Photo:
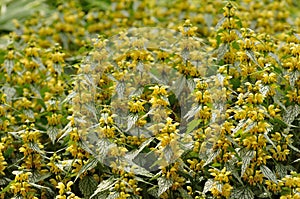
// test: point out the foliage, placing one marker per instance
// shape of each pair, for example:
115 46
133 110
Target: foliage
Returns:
215 113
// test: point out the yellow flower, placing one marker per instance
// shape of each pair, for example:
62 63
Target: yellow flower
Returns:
137 106
226 190
221 176
159 90
61 186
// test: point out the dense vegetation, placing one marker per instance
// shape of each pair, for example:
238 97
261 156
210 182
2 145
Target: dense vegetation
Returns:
150 99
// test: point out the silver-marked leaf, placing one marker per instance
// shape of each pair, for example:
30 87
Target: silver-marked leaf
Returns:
192 112
250 126
39 62
163 185
52 132
294 148
270 141
101 195
268 173
208 18
220 78
238 33
240 125
246 159
92 163
211 157
35 147
120 88
293 77
133 154
222 50
298 160
131 120
153 191
291 113
281 170
69 97
9 92
168 154
275 57
9 65
113 195
191 84
264 90
180 83
220 22
103 147
208 186
242 193
67 129
104 185
297 36
251 55
230 167
37 176
29 113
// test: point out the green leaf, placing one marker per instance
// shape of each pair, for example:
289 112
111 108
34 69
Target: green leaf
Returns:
87 186
192 125
153 191
8 152
20 10
163 185
50 191
268 173
7 188
184 194
235 45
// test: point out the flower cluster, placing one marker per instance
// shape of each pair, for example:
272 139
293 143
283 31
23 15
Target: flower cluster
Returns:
195 101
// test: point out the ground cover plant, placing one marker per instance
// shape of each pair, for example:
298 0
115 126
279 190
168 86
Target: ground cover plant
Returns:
150 99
